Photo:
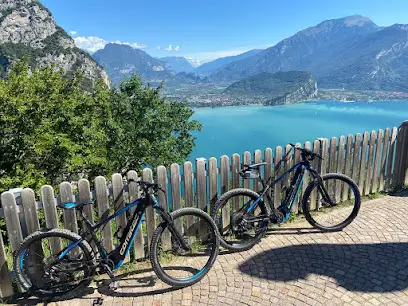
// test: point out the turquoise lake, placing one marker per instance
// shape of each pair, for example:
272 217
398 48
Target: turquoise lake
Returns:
229 130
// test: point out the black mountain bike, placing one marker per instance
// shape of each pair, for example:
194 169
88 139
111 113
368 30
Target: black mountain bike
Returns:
242 215
59 264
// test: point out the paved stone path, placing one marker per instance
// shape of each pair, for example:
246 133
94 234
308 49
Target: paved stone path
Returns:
365 264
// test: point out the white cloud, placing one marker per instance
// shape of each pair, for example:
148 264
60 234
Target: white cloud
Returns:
171 48
93 43
73 33
158 47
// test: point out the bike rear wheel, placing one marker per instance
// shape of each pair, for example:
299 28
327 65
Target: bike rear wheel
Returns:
336 213
170 261
239 229
54 264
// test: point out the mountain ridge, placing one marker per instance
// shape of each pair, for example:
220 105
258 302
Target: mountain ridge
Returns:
29 29
121 61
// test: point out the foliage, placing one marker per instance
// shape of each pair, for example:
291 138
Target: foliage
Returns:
52 130
153 131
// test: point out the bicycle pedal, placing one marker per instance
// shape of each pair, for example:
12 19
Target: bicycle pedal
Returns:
114 285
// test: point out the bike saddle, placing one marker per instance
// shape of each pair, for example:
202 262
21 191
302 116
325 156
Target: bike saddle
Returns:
254 166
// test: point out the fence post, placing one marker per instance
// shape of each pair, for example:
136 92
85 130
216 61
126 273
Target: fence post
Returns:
340 166
379 145
188 184
257 159
119 203
175 192
356 158
224 188
14 232
13 226
246 161
313 197
150 213
278 186
348 164
235 179
383 165
213 188
369 177
363 163
50 213
84 195
103 211
401 155
70 220
389 182
6 288
268 167
288 164
162 180
138 245
305 181
298 197
30 210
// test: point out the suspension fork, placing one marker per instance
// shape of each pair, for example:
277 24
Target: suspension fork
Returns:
168 219
320 185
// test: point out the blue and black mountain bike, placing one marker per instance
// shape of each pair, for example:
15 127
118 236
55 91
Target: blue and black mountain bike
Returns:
59 264
242 215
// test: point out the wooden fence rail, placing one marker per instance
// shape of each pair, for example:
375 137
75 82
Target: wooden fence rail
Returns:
376 161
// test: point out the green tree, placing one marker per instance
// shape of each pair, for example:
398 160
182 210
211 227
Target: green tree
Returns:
50 128
151 130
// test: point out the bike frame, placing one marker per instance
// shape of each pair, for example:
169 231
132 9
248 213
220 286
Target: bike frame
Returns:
119 253
287 204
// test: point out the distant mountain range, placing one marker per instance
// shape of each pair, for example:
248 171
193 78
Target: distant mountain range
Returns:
211 67
351 52
122 61
178 64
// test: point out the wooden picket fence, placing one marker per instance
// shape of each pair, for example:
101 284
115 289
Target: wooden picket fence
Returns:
377 161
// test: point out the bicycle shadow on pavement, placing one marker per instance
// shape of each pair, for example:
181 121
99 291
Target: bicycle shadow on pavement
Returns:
356 267
134 284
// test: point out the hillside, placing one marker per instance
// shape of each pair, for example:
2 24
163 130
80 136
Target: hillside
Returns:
213 66
351 53
275 89
178 64
28 29
122 61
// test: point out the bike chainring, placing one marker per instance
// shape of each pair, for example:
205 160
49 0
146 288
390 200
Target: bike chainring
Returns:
239 224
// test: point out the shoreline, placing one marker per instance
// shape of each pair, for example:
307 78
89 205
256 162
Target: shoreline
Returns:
305 101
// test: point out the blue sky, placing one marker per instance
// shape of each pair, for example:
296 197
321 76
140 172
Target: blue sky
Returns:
205 30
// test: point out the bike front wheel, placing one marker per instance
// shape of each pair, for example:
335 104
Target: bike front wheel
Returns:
333 204
179 266
54 264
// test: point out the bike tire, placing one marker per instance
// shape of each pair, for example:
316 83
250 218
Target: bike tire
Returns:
156 238
24 281
307 207
222 201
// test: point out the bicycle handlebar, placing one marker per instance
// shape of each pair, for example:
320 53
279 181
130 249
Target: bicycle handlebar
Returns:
306 152
148 185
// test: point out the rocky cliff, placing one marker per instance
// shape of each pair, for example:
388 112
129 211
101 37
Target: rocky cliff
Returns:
27 28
